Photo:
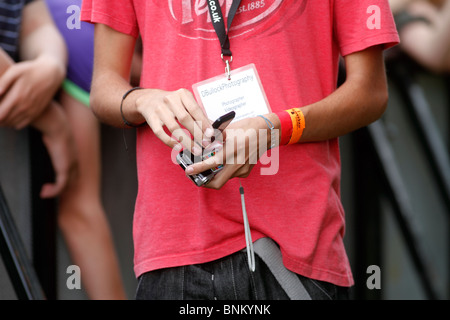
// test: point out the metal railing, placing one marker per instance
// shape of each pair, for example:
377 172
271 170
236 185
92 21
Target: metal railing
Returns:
20 269
377 173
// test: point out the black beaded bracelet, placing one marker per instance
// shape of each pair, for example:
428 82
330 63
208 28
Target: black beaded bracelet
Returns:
125 121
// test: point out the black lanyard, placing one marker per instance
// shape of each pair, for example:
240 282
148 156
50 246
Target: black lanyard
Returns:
219 25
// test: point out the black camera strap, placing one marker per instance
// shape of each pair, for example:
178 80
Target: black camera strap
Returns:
219 25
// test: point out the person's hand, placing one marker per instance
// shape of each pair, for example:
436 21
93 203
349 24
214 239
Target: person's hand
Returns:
174 110
26 89
244 142
58 139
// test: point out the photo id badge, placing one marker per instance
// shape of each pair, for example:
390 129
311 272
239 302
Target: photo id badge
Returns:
243 94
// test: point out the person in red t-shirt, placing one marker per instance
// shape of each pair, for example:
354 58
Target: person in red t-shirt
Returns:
189 240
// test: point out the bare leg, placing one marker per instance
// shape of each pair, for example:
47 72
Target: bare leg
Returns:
81 215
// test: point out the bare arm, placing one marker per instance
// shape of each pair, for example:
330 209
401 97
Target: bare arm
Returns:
361 100
39 37
57 137
113 53
27 87
112 63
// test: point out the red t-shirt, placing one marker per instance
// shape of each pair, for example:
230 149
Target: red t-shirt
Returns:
295 46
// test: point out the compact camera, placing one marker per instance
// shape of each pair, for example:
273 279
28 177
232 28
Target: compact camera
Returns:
186 158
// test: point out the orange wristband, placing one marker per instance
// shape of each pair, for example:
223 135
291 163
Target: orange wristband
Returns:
298 124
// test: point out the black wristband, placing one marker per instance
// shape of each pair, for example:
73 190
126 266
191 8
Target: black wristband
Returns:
125 121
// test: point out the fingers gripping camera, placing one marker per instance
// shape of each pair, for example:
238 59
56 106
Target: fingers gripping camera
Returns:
186 158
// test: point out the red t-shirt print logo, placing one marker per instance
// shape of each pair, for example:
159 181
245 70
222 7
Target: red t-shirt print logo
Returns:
192 20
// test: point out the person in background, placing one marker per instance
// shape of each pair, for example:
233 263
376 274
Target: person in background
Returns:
424 31
33 61
82 216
